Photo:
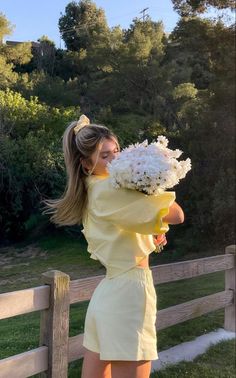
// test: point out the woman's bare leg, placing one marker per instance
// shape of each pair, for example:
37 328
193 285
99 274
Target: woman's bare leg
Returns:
94 367
130 369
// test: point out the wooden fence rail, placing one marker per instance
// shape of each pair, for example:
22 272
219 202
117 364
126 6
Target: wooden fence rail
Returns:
56 294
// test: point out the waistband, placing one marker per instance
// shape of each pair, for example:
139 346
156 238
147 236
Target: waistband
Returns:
137 273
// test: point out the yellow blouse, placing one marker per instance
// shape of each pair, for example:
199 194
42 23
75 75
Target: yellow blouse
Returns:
119 224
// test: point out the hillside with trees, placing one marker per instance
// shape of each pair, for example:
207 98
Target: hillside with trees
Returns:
141 82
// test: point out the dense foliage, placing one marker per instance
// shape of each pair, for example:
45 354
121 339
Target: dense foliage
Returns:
141 82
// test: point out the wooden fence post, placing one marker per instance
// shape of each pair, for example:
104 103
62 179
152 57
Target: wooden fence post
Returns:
229 323
54 326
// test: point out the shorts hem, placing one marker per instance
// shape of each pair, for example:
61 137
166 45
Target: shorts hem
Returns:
114 357
91 348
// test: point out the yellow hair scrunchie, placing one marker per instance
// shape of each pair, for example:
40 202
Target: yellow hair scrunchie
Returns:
82 122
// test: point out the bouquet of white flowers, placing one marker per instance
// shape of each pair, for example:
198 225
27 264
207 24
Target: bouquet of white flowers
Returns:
149 168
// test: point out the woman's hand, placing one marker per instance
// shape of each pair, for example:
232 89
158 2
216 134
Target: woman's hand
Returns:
159 241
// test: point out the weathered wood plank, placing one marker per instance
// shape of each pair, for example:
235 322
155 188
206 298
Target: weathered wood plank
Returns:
76 349
24 301
82 289
191 268
192 309
25 364
230 284
54 327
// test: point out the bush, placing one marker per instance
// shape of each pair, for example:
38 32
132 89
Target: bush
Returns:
31 158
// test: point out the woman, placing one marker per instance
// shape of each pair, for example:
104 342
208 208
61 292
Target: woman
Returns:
119 225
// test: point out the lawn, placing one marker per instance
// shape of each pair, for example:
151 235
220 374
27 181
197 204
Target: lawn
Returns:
22 266
217 362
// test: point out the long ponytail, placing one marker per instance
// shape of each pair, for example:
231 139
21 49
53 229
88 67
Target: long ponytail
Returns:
70 208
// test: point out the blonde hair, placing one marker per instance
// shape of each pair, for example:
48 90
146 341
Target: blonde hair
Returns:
77 146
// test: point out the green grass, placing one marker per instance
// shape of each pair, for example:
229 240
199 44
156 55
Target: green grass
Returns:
217 362
24 265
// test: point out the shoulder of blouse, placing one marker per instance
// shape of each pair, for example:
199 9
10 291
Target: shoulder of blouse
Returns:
90 180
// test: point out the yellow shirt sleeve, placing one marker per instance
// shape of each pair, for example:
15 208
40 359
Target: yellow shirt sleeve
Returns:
129 209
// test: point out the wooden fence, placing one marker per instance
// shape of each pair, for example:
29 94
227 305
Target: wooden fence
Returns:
53 299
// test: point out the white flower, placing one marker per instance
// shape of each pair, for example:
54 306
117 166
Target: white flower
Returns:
150 168
162 140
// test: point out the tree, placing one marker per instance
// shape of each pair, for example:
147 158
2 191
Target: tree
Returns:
7 75
81 25
85 32
5 27
31 159
190 50
52 90
208 137
134 63
44 55
191 7
10 56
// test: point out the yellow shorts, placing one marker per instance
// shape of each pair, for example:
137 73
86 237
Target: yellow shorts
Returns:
121 317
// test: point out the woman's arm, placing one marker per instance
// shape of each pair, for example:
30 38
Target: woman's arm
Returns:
175 216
